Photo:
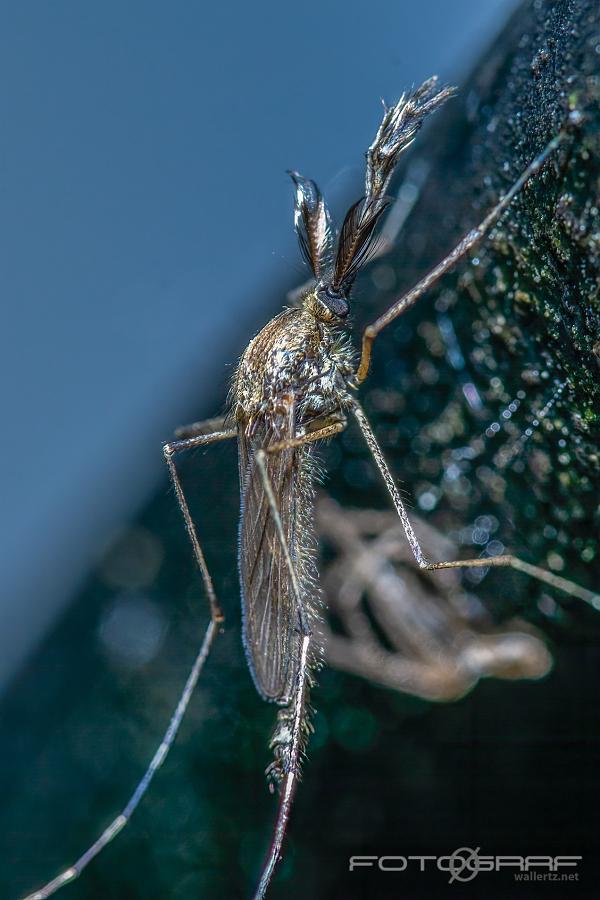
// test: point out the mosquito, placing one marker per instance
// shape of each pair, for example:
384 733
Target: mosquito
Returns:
296 386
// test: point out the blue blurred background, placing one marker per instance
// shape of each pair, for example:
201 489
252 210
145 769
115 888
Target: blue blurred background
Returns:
146 224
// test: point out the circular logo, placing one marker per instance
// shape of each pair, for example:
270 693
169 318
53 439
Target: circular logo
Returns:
463 865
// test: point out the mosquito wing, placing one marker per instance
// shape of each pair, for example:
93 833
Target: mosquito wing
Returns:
269 607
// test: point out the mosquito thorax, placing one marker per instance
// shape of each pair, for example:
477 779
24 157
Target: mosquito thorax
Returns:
327 305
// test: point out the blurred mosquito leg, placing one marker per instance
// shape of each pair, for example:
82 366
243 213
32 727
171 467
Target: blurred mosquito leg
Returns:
375 449
291 775
549 578
216 618
468 241
203 427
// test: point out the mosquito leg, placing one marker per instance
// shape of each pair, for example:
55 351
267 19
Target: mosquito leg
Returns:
375 449
468 241
260 461
169 451
121 820
294 747
204 427
555 581
216 618
327 430
290 778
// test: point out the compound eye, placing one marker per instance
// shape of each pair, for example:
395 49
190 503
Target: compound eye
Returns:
335 301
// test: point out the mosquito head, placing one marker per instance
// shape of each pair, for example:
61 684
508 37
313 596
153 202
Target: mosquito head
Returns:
326 304
333 300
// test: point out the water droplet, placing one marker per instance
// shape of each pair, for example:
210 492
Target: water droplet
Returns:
132 630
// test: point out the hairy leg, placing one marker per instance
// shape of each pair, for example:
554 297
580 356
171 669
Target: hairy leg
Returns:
203 427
